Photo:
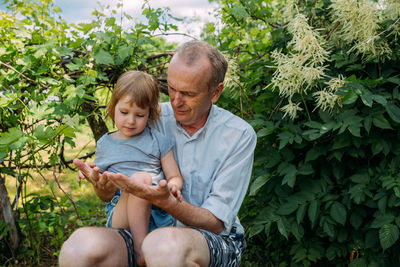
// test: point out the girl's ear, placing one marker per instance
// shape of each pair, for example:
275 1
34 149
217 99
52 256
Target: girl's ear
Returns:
217 93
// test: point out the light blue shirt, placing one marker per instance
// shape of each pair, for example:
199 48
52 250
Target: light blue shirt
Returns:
215 163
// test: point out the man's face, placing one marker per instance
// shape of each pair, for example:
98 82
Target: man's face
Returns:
188 91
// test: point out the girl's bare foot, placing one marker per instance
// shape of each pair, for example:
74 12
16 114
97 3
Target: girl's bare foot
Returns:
140 259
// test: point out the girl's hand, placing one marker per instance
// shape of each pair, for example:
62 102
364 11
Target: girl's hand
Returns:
175 192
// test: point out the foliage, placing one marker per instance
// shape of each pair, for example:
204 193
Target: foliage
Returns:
53 77
325 184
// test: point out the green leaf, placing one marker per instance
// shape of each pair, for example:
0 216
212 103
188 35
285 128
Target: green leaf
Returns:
285 137
341 141
125 52
349 98
388 235
305 169
355 130
313 211
290 175
297 231
11 136
360 178
357 193
103 57
256 229
367 124
329 229
379 146
393 111
395 80
238 11
281 228
301 211
44 134
287 208
366 98
379 99
264 132
258 183
381 122
382 219
338 213
110 21
3 155
314 153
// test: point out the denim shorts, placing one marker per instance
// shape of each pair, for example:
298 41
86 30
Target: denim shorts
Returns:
158 217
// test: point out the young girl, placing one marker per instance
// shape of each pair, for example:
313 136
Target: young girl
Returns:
137 151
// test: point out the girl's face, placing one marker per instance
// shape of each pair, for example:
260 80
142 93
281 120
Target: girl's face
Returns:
129 118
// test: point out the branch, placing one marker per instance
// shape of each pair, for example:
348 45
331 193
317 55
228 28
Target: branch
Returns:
12 68
332 31
65 193
176 33
48 166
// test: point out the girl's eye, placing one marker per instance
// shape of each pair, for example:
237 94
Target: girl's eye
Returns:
124 112
140 115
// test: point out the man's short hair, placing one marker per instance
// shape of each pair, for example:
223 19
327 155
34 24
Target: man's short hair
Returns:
191 52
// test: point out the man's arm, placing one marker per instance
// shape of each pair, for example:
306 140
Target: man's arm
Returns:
160 196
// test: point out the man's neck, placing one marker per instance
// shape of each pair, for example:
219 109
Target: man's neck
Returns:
194 127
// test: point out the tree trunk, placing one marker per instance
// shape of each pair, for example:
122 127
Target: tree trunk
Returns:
96 123
7 215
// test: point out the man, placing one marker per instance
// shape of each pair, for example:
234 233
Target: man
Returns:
214 150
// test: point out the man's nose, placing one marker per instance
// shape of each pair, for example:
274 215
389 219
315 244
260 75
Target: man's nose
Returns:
177 99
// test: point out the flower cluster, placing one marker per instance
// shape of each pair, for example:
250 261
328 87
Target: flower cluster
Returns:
359 24
327 99
297 71
392 9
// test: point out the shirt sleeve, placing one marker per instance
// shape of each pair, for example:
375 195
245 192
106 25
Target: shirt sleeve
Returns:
100 156
165 143
232 180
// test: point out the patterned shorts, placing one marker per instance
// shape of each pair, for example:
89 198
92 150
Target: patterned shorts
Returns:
225 251
126 235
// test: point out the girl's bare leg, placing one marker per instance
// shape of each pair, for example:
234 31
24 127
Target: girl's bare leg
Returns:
133 213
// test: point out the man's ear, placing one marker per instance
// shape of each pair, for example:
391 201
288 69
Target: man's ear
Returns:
217 93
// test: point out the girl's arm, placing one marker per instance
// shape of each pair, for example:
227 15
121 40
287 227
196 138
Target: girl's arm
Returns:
172 173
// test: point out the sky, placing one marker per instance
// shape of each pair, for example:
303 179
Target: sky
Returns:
199 11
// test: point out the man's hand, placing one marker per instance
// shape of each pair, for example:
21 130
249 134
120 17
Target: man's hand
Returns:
103 187
159 194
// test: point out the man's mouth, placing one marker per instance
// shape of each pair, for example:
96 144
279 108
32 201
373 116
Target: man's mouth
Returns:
180 111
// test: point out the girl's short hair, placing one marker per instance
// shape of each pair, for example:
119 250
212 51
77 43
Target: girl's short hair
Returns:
141 87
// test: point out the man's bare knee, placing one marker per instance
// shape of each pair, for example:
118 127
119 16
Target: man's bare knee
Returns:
78 250
161 248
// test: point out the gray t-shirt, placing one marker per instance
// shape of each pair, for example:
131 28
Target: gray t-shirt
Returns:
138 154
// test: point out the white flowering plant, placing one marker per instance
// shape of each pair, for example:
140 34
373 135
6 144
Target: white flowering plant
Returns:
321 84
